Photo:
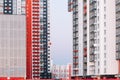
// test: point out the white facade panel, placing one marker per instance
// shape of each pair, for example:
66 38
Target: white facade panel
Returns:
105 62
12 46
80 32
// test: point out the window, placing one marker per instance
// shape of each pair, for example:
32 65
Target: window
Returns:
104 55
105 63
104 39
9 11
98 41
105 9
98 10
105 24
104 70
104 1
104 16
98 71
98 18
104 47
104 32
98 26
98 63
98 3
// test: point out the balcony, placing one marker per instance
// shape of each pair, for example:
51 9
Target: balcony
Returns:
85 25
85 54
85 32
118 17
92 37
117 41
118 9
92 58
92 52
92 22
76 31
118 24
93 15
93 7
85 39
75 51
92 1
85 60
85 67
117 33
75 28
92 69
118 55
92 28
85 18
75 63
92 49
117 2
75 57
70 3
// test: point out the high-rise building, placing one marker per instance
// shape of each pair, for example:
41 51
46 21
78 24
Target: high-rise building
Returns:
102 38
25 39
79 12
94 37
38 39
117 33
12 39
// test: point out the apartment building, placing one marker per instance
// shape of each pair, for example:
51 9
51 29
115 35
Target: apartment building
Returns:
94 37
12 39
61 72
102 39
79 13
38 39
25 39
117 33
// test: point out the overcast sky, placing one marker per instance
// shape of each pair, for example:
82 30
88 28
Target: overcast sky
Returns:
61 32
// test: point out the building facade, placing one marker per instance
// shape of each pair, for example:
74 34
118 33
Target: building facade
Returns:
79 13
61 72
12 39
38 39
94 37
25 39
117 33
102 40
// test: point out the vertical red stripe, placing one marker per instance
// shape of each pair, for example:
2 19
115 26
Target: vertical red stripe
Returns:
28 40
118 66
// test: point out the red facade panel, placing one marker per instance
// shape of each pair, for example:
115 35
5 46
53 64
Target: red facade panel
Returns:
3 78
17 78
28 40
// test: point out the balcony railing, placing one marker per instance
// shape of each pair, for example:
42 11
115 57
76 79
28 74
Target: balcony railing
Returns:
85 25
117 33
117 2
118 55
118 9
92 1
93 7
92 22
118 17
93 15
85 18
92 58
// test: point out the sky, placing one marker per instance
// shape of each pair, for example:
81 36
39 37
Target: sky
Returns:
61 32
